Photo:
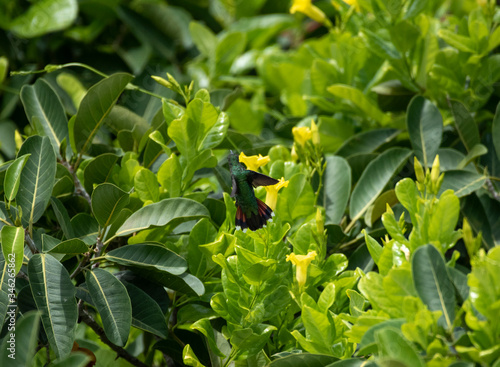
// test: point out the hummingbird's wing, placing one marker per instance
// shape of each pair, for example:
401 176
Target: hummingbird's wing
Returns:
258 179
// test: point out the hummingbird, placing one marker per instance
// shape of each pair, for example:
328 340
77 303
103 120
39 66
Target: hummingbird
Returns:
250 212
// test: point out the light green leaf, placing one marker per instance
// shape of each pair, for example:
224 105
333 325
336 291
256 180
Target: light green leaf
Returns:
45 112
168 211
146 185
37 178
203 38
230 46
25 340
460 42
360 100
13 247
54 295
303 360
107 202
13 177
111 300
374 178
149 256
433 284
337 188
425 126
476 151
393 346
94 108
45 16
170 176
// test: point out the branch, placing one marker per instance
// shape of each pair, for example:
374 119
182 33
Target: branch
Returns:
79 189
29 241
492 190
87 319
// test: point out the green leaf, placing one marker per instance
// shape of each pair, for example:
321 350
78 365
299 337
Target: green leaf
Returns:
149 256
146 185
360 100
462 182
425 126
366 142
94 108
54 295
45 16
13 177
433 284
231 45
146 314
466 127
45 112
203 38
495 128
337 188
216 133
393 346
107 202
99 170
69 247
37 178
213 337
302 360
168 211
13 247
170 176
25 340
62 217
111 300
250 341
460 42
374 178
476 151
368 343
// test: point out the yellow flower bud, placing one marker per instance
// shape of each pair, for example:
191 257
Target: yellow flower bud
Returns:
435 170
419 171
301 135
314 133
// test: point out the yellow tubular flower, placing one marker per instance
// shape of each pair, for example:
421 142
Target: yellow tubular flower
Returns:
253 162
353 3
272 192
301 135
307 8
302 263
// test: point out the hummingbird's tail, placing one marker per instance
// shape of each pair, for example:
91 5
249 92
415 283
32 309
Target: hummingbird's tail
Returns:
253 221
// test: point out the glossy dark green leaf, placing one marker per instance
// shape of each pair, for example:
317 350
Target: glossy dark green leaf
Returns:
107 202
374 178
184 283
146 314
54 294
462 182
37 178
13 177
148 255
466 126
99 170
433 284
495 131
366 142
111 300
62 217
69 247
94 108
45 112
425 126
18 347
165 212
302 360
337 187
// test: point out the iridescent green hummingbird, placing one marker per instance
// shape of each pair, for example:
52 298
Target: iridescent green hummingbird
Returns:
250 212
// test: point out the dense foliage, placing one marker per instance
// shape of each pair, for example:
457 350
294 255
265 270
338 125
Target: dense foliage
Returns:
118 235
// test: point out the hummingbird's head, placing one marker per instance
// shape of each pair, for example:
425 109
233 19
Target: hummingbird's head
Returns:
233 159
